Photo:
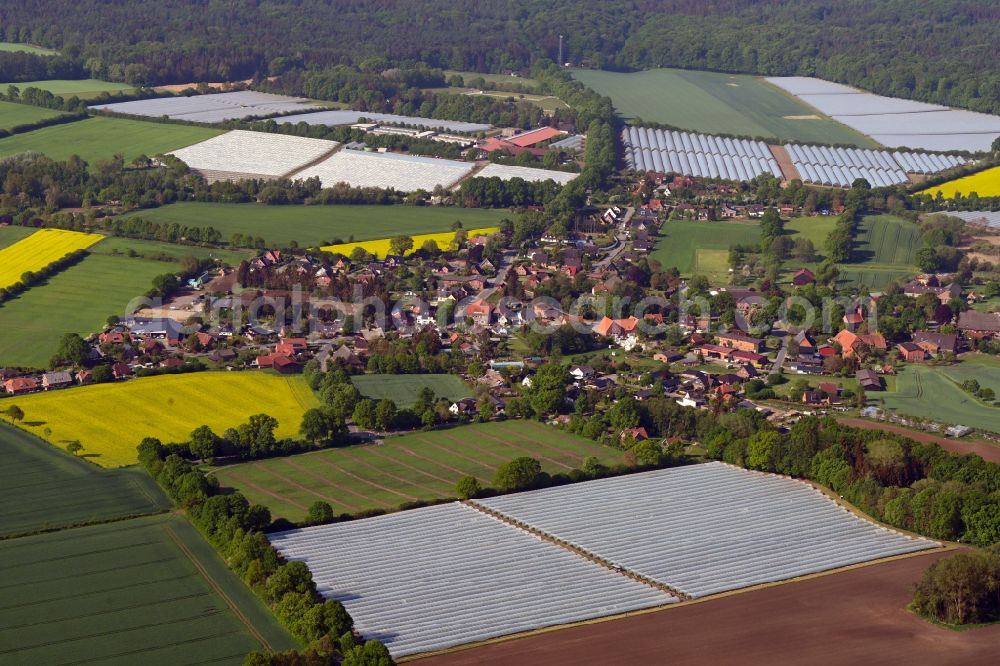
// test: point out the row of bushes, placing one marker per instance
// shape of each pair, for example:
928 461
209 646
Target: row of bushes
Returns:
39 124
31 278
235 528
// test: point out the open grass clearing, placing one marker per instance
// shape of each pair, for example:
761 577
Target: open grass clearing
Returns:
499 79
683 243
929 392
38 250
110 420
403 389
78 299
321 225
13 114
10 234
149 590
160 251
418 466
82 88
44 489
11 47
717 104
96 139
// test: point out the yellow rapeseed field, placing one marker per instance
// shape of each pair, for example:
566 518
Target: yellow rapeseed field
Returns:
109 420
380 247
985 184
39 250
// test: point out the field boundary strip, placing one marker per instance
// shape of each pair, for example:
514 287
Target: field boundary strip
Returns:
216 587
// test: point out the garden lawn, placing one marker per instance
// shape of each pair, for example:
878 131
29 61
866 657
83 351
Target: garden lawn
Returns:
42 488
717 104
110 420
147 591
12 114
683 243
101 138
82 88
927 392
78 299
321 225
419 466
38 250
403 389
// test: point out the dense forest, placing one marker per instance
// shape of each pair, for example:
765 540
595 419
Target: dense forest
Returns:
935 50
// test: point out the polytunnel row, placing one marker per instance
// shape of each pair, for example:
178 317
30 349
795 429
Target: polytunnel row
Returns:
825 165
699 155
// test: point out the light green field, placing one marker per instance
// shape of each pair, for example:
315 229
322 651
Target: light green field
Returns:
78 299
403 389
26 48
420 466
931 393
701 247
145 591
11 234
158 251
499 79
318 225
96 139
12 115
43 488
884 250
82 88
717 104
815 229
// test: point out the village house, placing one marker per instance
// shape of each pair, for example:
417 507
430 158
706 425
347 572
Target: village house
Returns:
20 385
979 324
740 341
802 277
868 380
55 380
936 343
909 351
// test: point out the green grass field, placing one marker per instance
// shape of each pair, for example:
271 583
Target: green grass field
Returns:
82 88
932 393
717 104
884 250
42 488
403 389
12 115
78 299
95 139
420 466
157 251
27 48
318 225
701 247
11 234
494 78
149 591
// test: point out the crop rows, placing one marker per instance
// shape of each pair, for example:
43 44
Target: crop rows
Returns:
699 155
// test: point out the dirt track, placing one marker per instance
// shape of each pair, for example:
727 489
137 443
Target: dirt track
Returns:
854 617
985 450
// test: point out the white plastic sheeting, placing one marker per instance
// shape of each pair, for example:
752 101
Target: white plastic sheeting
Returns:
256 153
699 155
526 173
404 173
707 528
842 166
211 108
446 575
339 117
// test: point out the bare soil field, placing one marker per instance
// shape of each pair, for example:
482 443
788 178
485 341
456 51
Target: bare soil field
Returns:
854 617
985 450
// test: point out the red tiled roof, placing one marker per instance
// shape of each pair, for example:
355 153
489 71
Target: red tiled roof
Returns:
527 139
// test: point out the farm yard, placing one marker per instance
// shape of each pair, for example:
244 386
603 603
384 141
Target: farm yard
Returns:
39 250
892 121
717 104
243 154
933 393
404 389
12 115
525 173
42 488
404 173
78 299
380 247
457 569
842 619
82 88
212 108
419 466
985 184
319 225
96 139
701 247
346 117
110 420
147 590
